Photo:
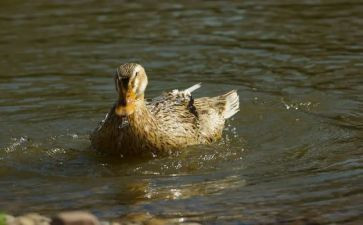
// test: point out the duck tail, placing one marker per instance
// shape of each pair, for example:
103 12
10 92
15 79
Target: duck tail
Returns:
232 104
193 88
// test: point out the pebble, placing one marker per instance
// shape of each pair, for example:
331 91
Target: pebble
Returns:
75 218
27 219
85 218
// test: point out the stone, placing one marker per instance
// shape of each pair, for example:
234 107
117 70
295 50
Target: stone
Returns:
28 219
8 219
75 218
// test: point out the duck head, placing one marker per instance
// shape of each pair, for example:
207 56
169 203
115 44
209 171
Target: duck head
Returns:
131 82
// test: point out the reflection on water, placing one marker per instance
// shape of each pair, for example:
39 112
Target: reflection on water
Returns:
145 190
293 154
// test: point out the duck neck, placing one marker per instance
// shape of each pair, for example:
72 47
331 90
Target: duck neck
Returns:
142 121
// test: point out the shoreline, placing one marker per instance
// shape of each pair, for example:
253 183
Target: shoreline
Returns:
86 218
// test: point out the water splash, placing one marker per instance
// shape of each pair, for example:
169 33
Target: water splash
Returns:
305 106
18 143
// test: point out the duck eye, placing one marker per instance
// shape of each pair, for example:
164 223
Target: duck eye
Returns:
137 73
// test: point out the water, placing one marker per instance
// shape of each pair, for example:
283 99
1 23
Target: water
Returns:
293 154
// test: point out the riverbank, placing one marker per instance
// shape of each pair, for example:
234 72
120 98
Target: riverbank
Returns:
85 218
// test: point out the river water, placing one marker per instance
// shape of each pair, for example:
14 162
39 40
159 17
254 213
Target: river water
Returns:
293 154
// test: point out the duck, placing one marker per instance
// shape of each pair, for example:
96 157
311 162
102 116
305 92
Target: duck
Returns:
168 123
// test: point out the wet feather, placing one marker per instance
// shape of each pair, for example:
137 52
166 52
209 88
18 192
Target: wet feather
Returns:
164 124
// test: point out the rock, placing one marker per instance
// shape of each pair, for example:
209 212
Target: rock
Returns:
75 218
84 218
8 219
28 219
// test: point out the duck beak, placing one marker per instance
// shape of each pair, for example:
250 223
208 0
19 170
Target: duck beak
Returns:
126 103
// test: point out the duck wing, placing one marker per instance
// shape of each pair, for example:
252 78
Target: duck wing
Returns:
212 113
175 111
174 101
179 114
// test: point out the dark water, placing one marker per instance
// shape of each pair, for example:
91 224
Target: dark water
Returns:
293 154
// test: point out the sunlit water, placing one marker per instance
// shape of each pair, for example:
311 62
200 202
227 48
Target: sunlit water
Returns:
292 154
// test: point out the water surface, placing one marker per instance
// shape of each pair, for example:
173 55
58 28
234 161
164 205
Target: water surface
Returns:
293 154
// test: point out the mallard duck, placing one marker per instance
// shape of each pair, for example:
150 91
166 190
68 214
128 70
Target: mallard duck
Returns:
169 122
